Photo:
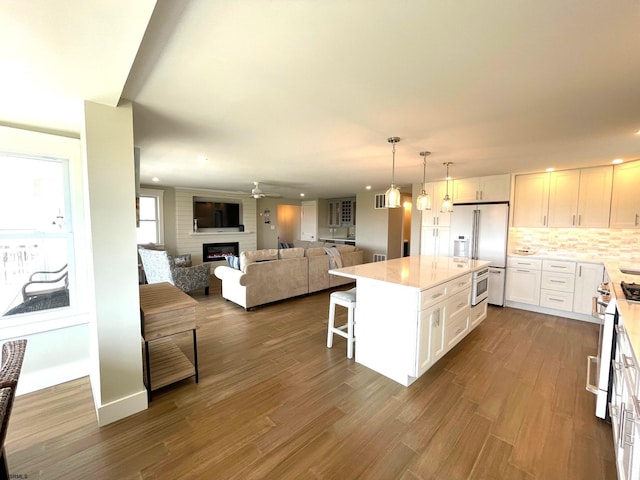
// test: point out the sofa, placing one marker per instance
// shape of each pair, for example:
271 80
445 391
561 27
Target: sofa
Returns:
270 275
159 267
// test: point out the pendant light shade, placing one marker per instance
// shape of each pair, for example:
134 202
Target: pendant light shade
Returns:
447 203
392 195
423 202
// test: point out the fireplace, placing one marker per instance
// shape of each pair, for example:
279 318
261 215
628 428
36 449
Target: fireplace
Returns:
217 251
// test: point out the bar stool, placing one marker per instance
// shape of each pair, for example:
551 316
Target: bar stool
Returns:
345 299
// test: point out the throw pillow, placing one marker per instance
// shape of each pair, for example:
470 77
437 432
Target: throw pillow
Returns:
233 261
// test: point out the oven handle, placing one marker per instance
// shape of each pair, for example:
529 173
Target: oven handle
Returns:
590 387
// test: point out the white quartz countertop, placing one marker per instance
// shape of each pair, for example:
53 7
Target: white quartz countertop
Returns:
630 311
420 271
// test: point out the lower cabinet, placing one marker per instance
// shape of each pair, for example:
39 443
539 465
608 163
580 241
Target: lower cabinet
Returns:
523 285
430 328
588 277
456 322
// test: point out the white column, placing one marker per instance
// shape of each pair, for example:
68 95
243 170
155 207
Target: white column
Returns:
116 370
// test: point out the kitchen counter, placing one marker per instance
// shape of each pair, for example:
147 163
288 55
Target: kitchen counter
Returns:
420 271
339 239
630 311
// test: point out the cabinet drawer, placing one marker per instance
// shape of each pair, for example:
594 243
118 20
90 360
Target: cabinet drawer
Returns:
559 266
459 284
556 300
560 282
432 295
455 328
458 302
478 313
528 263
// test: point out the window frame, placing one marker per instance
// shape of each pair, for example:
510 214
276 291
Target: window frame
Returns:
158 195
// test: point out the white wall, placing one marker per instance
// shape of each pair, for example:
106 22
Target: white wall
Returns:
116 372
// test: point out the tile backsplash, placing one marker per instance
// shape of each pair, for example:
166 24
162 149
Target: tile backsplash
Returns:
577 242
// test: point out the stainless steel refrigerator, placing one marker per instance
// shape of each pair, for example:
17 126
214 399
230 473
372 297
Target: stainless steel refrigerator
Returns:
479 231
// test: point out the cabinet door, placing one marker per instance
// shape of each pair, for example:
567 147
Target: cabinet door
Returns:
309 221
523 285
436 339
563 198
588 277
531 200
334 213
434 241
466 190
434 217
594 199
429 322
494 188
625 209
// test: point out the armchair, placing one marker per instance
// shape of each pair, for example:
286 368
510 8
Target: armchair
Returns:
55 281
159 267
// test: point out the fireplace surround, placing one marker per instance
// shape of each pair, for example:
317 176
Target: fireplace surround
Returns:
212 252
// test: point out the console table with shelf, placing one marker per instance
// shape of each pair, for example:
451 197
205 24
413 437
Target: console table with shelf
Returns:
166 315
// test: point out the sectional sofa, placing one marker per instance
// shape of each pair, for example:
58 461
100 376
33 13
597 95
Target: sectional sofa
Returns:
270 275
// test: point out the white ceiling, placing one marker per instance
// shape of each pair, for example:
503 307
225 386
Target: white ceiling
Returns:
302 94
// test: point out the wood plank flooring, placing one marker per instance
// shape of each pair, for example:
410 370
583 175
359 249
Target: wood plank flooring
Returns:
274 403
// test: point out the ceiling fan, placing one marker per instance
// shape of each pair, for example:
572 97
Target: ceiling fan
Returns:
258 193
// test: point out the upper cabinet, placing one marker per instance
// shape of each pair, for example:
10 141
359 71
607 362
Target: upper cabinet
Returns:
341 212
492 188
580 198
434 217
625 210
531 202
568 198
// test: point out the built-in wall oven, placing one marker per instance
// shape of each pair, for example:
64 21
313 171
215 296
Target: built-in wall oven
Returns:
604 309
479 286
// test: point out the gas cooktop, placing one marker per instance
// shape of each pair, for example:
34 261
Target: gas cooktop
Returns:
631 291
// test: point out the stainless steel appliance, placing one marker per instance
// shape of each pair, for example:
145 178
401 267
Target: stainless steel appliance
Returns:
479 286
485 227
604 309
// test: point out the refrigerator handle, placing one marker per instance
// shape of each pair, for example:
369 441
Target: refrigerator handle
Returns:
476 231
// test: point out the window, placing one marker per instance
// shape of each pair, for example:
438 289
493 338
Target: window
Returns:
36 241
150 229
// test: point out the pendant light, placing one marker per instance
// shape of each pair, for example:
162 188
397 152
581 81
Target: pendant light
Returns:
423 202
447 204
392 196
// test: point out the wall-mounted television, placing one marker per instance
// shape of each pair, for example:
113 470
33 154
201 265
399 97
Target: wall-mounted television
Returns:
216 214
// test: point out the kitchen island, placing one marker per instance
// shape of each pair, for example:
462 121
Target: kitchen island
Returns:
411 311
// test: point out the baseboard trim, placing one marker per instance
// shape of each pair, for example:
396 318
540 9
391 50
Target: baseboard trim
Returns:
551 311
48 377
121 408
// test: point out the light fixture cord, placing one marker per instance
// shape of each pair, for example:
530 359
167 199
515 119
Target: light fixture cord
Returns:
424 172
447 179
393 165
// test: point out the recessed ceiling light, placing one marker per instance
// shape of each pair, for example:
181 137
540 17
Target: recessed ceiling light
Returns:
302 194
638 132
368 187
617 161
155 179
550 169
202 158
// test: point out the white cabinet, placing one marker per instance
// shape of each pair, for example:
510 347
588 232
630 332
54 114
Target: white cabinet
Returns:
625 209
523 280
531 202
556 285
492 188
594 199
456 322
430 346
580 198
588 277
434 217
478 313
434 241
341 213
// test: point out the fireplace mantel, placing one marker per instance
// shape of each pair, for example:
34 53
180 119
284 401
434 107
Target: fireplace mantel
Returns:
199 234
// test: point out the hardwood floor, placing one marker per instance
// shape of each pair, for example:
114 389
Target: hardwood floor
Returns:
274 403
